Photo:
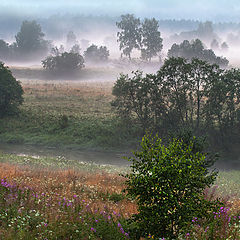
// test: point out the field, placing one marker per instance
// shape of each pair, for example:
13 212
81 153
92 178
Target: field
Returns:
49 198
59 198
70 113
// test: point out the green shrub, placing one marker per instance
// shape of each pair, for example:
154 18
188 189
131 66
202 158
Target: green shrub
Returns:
168 183
64 62
10 92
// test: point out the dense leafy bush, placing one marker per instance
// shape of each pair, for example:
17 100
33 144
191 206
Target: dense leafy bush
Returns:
193 94
64 62
96 54
168 183
10 92
195 49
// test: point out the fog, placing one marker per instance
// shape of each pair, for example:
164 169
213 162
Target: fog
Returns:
215 10
94 22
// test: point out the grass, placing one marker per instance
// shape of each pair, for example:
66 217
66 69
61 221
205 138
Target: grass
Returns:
68 113
54 198
57 198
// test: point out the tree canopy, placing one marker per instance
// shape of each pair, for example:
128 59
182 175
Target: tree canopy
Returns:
195 49
30 38
130 36
96 54
182 94
11 92
151 39
65 62
168 184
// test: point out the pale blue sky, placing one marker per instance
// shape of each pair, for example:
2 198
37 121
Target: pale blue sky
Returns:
219 10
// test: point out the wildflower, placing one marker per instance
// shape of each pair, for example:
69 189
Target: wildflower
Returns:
93 229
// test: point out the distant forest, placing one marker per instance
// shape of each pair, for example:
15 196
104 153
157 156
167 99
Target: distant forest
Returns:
57 25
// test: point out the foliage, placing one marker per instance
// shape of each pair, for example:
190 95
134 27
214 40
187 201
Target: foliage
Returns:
30 38
96 54
224 46
27 214
205 31
71 39
63 63
4 49
133 98
168 183
69 116
10 92
130 35
195 49
151 40
192 94
214 44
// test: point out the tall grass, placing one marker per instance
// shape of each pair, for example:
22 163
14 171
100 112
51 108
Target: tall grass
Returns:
75 114
47 198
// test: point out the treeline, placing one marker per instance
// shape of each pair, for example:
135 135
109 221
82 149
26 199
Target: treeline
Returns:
134 34
183 95
10 24
29 43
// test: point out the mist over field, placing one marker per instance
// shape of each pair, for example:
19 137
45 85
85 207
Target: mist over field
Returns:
120 120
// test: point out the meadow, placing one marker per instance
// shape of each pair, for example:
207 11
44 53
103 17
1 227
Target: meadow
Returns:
56 198
70 113
59 198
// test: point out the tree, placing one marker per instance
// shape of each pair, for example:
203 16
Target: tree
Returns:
134 98
4 49
182 94
224 46
75 48
168 184
205 31
30 39
151 40
130 35
214 44
96 54
66 62
71 38
11 92
195 49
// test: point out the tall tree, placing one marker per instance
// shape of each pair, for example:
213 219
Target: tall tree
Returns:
195 49
130 35
96 54
30 38
151 39
214 44
71 39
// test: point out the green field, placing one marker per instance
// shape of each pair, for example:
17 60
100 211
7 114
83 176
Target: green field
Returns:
69 113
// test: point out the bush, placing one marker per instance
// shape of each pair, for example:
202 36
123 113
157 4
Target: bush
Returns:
195 49
64 62
96 54
168 183
10 92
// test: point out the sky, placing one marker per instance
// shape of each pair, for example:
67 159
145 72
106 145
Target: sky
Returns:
214 10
